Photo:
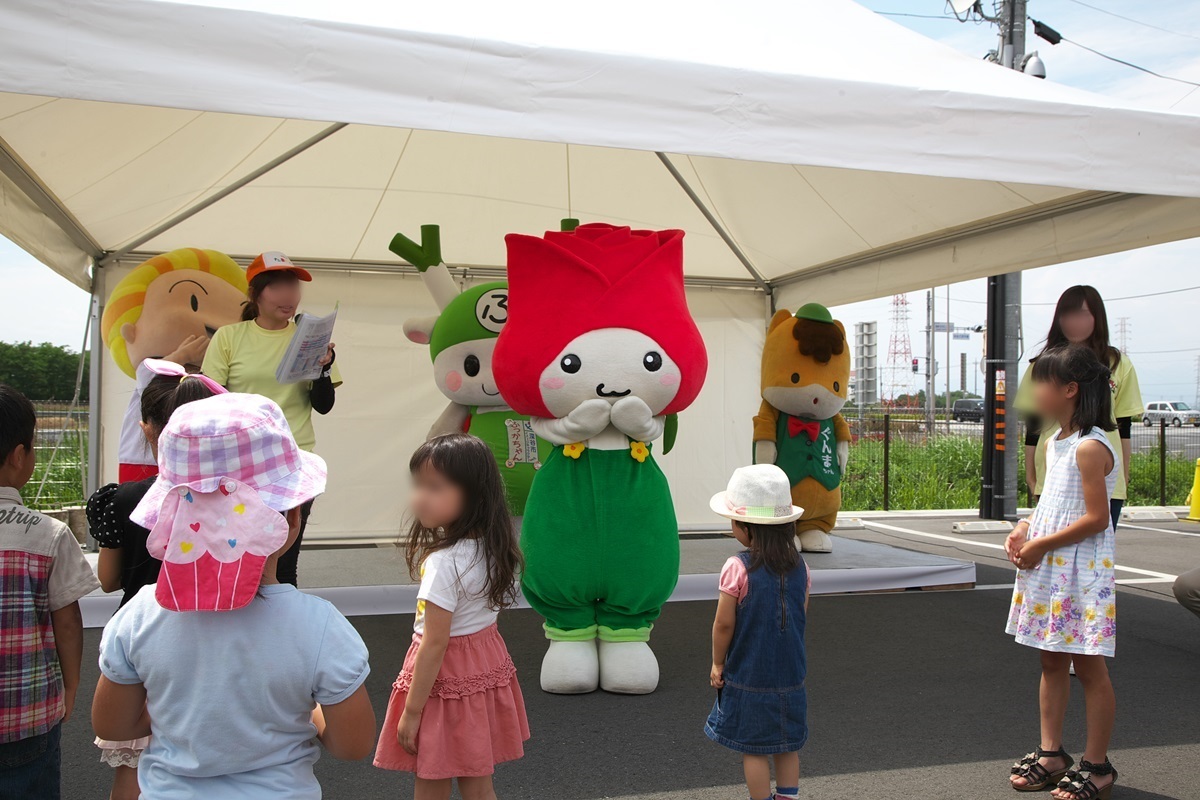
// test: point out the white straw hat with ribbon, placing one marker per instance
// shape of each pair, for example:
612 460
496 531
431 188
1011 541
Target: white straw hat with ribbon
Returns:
760 494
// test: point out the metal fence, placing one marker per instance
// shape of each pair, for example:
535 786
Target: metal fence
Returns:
1163 463
898 461
61 446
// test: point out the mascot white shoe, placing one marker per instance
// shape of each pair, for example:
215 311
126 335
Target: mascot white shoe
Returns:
815 540
628 668
573 668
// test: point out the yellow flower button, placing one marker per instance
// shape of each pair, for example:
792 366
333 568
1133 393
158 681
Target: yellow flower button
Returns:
639 451
573 450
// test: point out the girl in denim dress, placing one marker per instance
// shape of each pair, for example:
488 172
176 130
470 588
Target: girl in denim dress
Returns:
758 636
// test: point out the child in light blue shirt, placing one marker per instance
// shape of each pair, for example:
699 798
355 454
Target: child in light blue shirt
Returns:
232 694
242 678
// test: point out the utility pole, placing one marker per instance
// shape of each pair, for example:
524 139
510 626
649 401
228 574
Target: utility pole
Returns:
949 336
1197 381
930 404
998 497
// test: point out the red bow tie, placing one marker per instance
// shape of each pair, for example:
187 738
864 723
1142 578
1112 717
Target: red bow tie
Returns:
812 428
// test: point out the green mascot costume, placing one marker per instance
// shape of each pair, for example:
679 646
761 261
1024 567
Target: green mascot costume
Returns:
600 350
461 340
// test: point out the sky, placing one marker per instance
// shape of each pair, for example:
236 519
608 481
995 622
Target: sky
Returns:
1163 347
1164 37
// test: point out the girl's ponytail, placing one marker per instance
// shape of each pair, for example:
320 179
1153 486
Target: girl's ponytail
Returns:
250 307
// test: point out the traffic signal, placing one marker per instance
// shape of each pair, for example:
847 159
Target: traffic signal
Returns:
916 365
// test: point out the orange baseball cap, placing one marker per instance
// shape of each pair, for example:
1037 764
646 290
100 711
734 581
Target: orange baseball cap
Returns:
271 261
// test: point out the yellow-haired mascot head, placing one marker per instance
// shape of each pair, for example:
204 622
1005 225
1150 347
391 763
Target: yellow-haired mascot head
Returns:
163 301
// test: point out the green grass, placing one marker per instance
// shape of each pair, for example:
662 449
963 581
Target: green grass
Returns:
1145 471
944 473
64 478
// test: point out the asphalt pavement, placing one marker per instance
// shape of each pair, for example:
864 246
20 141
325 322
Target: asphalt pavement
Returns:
912 694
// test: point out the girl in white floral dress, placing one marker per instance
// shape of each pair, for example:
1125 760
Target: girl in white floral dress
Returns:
1064 603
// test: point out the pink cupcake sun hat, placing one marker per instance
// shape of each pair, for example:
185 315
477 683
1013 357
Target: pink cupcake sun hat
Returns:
759 494
228 466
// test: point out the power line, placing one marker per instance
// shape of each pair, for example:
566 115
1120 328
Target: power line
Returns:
1131 19
918 16
1039 27
1150 352
1116 60
1106 300
1054 37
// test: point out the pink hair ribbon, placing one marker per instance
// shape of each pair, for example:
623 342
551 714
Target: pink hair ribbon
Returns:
160 366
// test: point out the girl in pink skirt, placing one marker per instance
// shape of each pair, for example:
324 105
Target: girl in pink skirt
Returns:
456 708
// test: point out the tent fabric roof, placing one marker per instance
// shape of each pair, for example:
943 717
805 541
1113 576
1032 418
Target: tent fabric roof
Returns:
823 139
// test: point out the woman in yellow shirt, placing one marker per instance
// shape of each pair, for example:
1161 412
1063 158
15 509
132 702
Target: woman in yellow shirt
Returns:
1080 317
244 357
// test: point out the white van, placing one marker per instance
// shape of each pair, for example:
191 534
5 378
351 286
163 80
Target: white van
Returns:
1174 412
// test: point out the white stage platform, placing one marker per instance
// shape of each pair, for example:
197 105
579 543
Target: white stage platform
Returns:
367 581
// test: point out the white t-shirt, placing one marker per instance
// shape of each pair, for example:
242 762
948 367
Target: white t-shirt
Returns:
132 447
454 579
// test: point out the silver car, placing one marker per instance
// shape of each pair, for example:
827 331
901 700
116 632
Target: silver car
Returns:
1173 412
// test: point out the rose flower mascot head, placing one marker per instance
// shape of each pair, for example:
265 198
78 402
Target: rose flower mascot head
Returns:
461 341
599 348
168 307
799 427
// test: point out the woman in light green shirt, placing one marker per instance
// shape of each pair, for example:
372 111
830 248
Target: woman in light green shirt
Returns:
243 357
1080 318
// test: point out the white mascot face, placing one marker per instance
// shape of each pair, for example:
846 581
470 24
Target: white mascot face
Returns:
813 401
463 372
610 363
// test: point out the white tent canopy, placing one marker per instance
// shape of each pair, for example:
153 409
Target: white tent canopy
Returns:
812 150
824 139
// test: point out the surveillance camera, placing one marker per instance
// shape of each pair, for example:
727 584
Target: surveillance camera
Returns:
1033 65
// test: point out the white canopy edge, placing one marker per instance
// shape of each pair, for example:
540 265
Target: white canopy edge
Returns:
1106 223
764 80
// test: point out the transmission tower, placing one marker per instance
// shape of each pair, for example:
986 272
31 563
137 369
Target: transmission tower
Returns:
1123 334
899 363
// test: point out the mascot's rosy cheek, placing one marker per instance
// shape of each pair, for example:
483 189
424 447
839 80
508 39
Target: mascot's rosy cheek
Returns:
799 426
598 375
462 341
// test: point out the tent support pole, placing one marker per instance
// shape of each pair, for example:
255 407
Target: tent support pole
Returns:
95 373
16 171
248 178
716 224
